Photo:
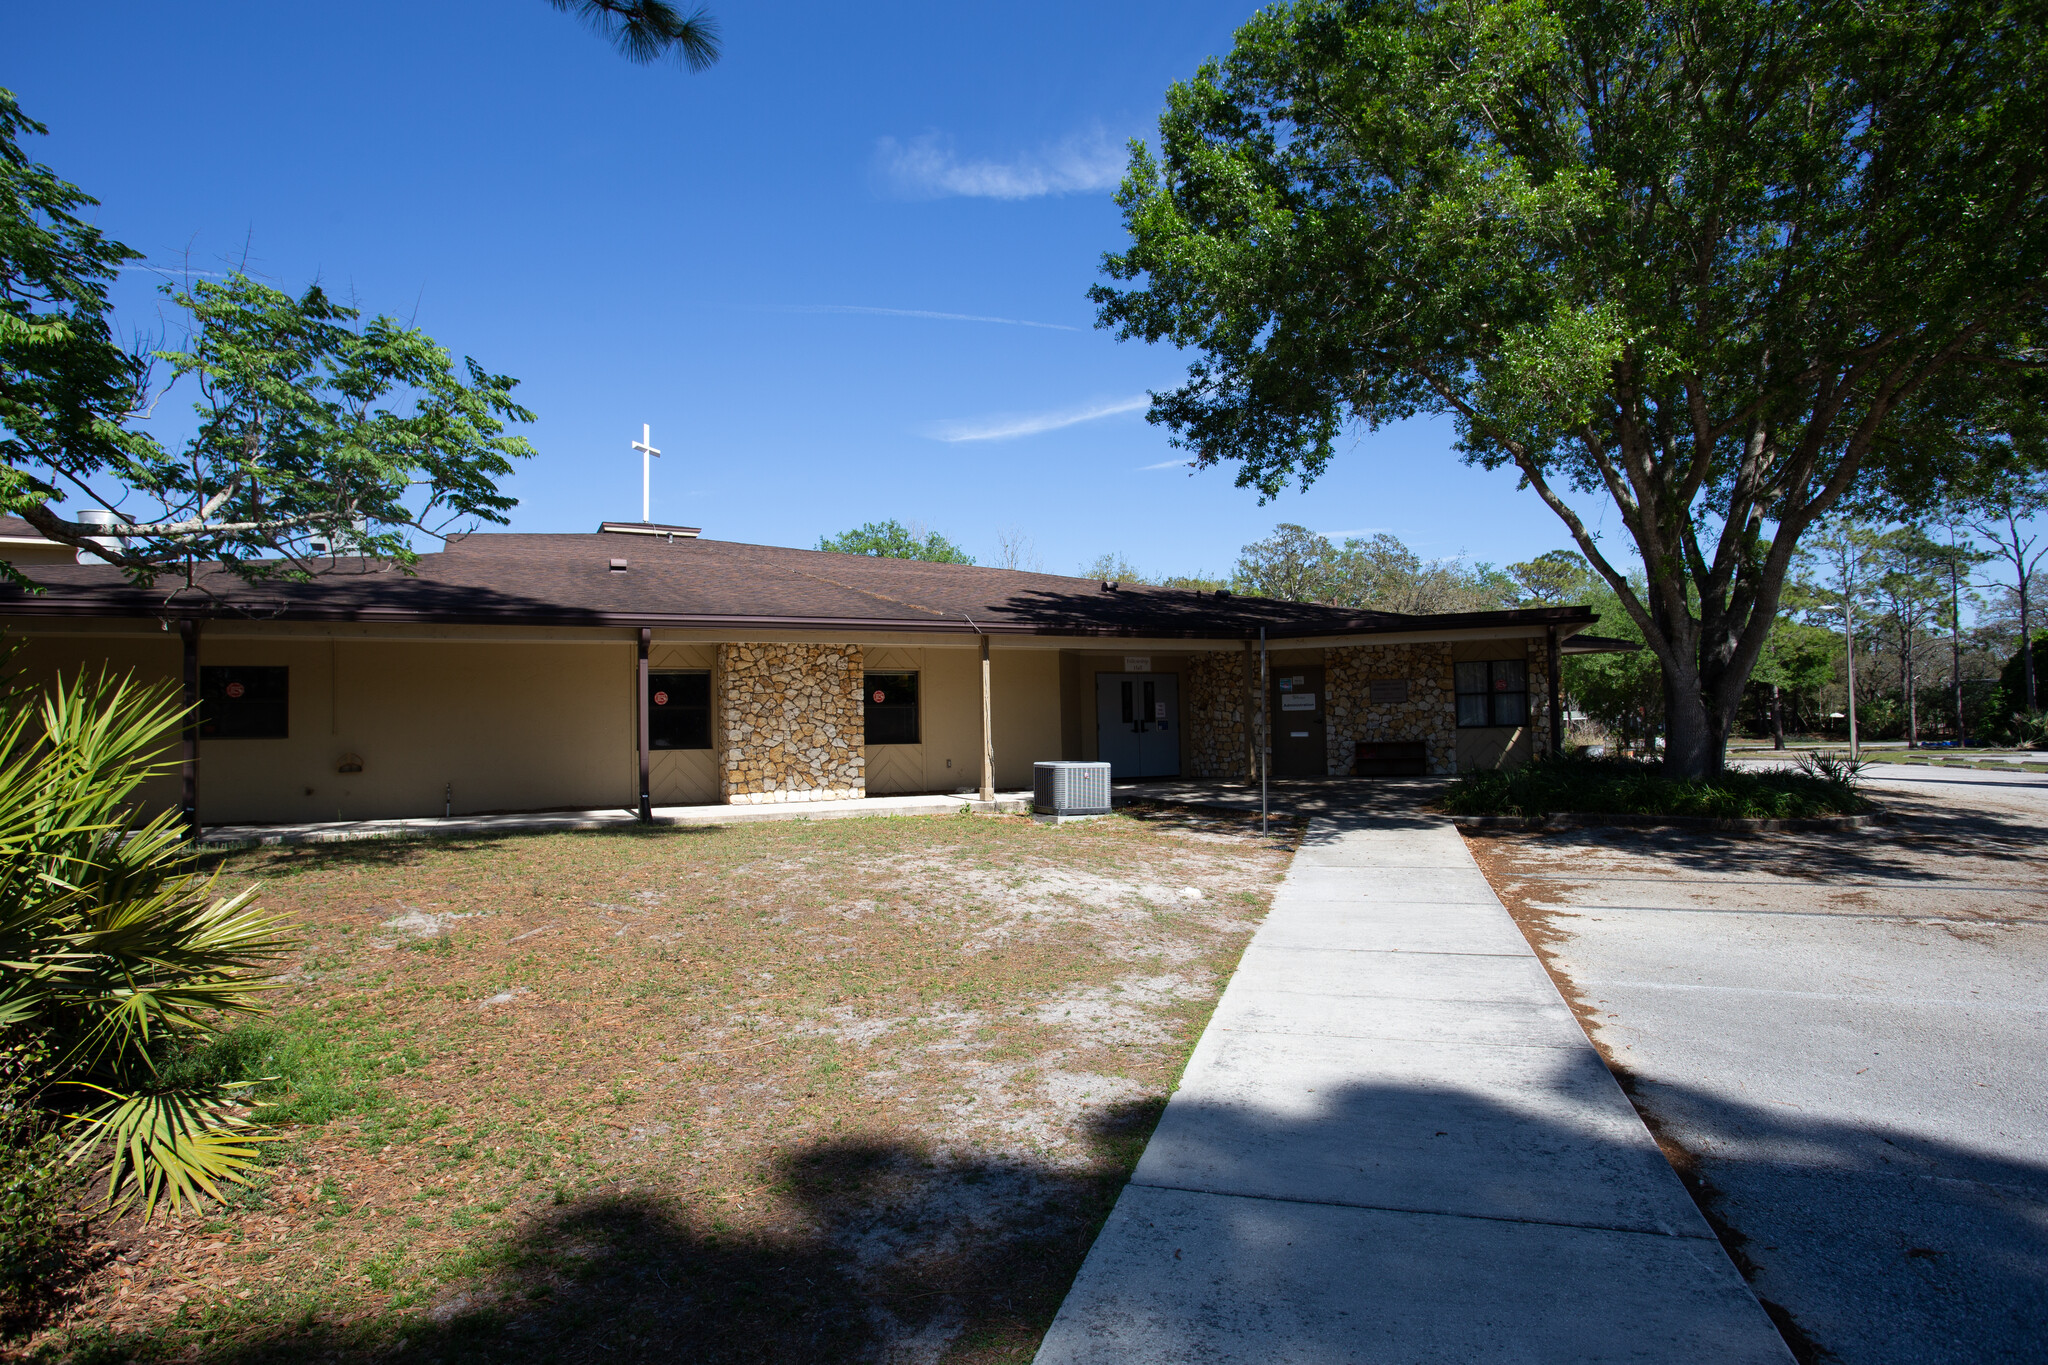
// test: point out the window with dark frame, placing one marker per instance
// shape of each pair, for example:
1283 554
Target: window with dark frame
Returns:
244 703
891 705
678 710
1493 692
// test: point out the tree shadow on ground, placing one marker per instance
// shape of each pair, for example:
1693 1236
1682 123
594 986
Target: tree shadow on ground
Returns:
409 850
1922 841
1381 803
879 1249
1555 1243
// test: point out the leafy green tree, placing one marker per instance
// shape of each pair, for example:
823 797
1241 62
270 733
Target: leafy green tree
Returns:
2012 679
1375 573
1842 563
1621 692
115 954
1294 564
1908 594
893 540
1693 259
1112 567
317 436
1554 578
2009 499
1798 659
647 30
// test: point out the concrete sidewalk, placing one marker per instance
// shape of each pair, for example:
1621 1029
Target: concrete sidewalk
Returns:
550 822
1394 1143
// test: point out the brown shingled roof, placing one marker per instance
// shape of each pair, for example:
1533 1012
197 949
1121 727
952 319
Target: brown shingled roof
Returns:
567 580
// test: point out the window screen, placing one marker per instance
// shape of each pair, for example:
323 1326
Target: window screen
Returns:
1494 692
891 700
244 703
678 710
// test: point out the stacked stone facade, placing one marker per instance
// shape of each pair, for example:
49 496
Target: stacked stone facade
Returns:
1429 714
790 723
1539 697
1215 714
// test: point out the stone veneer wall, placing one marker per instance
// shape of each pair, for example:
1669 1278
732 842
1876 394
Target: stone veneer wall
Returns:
1430 713
1218 744
1539 697
790 723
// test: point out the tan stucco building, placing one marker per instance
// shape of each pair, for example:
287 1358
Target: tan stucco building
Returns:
534 672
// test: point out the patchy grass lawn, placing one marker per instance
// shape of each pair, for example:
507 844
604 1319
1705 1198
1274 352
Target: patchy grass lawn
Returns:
854 1089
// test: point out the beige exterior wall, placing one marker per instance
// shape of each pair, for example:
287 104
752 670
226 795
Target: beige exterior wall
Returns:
1077 678
437 724
1499 746
490 720
683 777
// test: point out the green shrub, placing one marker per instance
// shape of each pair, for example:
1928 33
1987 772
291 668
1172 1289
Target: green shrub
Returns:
36 1186
114 951
1822 785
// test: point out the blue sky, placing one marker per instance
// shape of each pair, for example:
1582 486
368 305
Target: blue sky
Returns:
843 274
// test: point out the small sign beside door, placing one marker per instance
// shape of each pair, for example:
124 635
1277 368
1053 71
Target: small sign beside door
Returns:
1137 663
1389 692
1297 701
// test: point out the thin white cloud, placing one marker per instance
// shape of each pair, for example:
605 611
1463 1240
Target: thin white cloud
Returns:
914 313
1163 464
928 168
1030 424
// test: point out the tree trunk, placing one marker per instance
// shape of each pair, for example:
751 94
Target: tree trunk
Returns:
1912 702
1955 648
2026 642
1777 719
1849 637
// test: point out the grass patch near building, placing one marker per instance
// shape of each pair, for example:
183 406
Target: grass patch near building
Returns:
786 1091
1821 784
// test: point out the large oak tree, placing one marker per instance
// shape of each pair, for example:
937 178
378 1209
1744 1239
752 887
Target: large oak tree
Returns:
1694 259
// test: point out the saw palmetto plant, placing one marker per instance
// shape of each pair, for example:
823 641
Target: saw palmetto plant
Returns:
116 953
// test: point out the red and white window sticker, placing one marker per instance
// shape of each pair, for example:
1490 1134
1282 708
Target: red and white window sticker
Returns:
235 691
661 699
879 695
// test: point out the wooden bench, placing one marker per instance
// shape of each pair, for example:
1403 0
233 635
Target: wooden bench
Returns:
1391 758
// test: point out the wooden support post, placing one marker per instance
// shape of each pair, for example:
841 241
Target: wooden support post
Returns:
1550 664
646 803
188 767
988 734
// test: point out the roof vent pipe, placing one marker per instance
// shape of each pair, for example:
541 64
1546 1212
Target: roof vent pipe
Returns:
99 517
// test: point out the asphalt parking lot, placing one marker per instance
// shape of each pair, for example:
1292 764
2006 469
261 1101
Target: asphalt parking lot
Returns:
1838 1039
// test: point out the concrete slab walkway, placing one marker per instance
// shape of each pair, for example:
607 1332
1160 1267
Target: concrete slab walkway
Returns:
554 821
1394 1143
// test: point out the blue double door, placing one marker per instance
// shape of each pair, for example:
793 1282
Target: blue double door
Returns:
1137 723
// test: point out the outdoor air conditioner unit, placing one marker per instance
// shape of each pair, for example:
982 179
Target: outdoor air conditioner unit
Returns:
1070 788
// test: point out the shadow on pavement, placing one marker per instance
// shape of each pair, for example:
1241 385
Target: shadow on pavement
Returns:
1880 1245
887 1253
1384 802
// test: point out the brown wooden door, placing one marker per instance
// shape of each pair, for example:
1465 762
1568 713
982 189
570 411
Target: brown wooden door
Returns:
1298 721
